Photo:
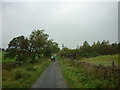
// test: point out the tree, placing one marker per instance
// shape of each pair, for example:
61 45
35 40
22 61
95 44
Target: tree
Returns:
51 48
38 40
95 49
18 47
85 50
32 48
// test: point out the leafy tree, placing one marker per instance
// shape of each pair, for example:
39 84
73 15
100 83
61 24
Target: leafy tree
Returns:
38 40
17 47
32 48
96 49
85 49
51 48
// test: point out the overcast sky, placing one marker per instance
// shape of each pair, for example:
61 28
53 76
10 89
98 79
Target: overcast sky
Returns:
67 23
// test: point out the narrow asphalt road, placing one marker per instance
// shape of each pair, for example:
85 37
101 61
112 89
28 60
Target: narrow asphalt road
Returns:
51 78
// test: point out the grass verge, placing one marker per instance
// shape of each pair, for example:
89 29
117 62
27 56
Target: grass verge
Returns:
23 76
78 77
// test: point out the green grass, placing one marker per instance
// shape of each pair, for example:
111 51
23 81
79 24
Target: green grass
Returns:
0 70
23 76
0 79
0 57
103 60
78 77
7 60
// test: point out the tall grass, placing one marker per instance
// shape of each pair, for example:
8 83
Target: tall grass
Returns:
0 56
79 77
23 76
0 70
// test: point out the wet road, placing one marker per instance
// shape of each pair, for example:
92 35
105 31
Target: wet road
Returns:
51 78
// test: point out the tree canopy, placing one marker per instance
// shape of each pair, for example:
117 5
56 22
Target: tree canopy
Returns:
84 51
37 45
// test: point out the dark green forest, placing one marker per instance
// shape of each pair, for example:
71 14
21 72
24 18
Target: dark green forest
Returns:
86 50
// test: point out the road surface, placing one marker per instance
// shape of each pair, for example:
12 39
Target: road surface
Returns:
51 78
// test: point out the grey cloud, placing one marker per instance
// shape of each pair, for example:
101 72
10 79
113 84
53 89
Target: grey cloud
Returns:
67 23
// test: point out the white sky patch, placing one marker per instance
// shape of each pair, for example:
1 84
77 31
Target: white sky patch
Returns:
0 24
67 23
60 1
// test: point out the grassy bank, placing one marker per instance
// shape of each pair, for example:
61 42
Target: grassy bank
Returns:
23 76
79 77
103 60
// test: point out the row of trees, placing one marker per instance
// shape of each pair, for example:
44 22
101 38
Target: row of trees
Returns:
36 46
103 48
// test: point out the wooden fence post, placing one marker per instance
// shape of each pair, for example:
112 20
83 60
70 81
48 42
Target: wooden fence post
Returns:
113 64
